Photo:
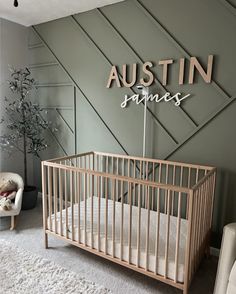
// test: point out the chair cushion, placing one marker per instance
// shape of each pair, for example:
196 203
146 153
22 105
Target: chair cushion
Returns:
8 185
231 289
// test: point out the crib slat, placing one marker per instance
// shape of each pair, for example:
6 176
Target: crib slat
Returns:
167 234
141 169
157 230
66 204
60 200
128 167
106 214
139 225
193 239
200 220
72 204
205 209
123 166
112 165
99 209
166 191
177 236
79 199
113 217
117 173
197 176
195 232
181 176
45 208
91 197
160 173
50 196
55 192
188 185
107 164
146 177
122 220
173 195
146 170
189 177
85 209
153 179
134 169
130 221
148 228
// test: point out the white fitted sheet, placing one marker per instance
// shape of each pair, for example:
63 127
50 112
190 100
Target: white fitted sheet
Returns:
134 251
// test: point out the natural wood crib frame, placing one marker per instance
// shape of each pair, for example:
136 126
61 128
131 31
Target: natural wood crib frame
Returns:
174 189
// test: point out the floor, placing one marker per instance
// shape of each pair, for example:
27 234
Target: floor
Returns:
29 236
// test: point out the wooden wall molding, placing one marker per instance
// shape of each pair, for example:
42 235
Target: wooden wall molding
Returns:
35 46
230 7
138 57
79 89
196 127
44 85
40 65
176 43
154 117
202 125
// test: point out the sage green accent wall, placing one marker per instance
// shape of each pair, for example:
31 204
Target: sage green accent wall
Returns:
72 57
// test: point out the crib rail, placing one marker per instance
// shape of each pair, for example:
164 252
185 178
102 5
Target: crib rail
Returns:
111 205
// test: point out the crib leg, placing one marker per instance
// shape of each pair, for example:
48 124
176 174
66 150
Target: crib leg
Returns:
13 222
185 291
186 288
46 240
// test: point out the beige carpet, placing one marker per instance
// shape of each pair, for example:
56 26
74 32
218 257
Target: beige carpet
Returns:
29 236
22 272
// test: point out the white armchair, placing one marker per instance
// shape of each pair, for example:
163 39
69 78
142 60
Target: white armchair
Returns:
16 207
226 273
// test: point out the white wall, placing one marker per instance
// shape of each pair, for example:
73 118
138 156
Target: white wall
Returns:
13 52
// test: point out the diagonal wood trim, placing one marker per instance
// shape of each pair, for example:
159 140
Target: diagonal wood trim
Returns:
156 120
39 65
34 46
187 116
80 90
61 116
171 38
58 107
229 6
55 138
57 141
209 119
54 85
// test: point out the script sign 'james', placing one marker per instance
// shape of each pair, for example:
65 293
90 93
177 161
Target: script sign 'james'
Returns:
149 78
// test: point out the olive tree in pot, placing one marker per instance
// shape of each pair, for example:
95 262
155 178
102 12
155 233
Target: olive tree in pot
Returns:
25 127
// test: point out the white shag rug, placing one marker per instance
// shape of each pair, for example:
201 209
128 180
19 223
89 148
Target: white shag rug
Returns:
24 273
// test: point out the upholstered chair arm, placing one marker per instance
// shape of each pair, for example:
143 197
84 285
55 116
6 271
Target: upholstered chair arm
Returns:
227 259
18 200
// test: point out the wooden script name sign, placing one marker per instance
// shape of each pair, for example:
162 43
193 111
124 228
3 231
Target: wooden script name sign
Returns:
148 80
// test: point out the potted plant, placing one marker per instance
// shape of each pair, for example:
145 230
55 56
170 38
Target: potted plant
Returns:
25 127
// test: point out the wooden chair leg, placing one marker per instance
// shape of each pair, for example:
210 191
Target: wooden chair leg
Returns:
46 240
13 222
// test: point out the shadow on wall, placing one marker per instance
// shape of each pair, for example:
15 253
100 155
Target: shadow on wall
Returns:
225 203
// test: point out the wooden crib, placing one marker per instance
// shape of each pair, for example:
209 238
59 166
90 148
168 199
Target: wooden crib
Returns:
152 216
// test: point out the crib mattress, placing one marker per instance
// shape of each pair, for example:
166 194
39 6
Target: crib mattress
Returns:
134 234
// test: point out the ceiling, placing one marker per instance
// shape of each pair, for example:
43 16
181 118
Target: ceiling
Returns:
31 12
